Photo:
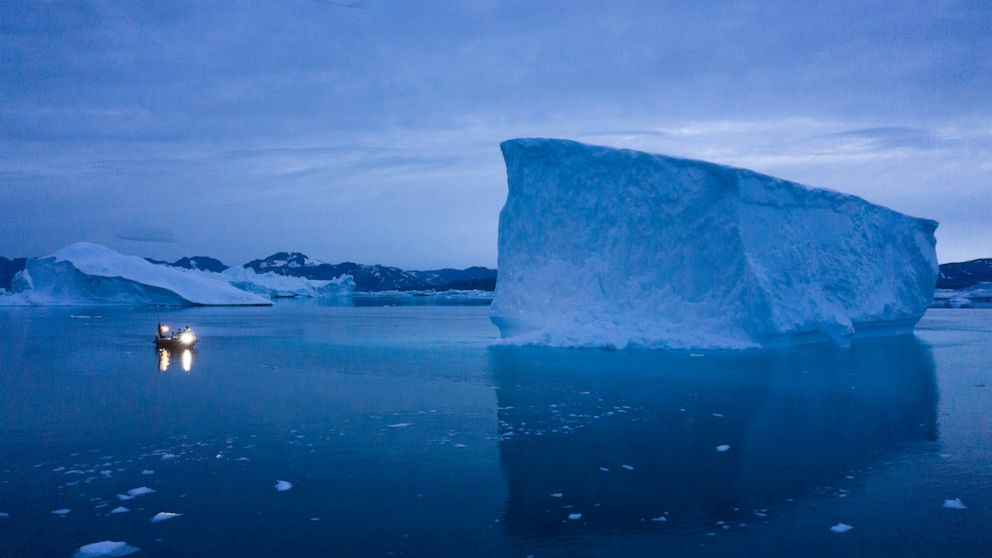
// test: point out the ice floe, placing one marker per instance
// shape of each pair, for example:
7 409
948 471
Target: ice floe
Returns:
135 492
283 486
61 511
163 516
955 504
722 448
105 548
841 528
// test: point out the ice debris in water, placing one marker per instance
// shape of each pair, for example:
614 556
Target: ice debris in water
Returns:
557 495
399 425
147 472
575 516
120 509
955 504
283 486
4 514
722 257
135 492
61 511
841 528
722 448
105 548
628 467
164 516
659 519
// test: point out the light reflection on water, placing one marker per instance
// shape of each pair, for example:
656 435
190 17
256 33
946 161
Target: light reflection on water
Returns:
166 356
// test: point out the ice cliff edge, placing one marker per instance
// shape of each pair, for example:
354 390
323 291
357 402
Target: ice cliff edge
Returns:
619 248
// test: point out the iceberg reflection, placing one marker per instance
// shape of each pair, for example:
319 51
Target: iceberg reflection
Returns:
625 437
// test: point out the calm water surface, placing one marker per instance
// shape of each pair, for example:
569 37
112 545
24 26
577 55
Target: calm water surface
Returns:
405 433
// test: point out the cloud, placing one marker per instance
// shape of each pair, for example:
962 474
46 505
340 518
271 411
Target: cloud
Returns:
148 234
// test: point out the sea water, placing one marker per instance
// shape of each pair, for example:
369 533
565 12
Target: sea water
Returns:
307 429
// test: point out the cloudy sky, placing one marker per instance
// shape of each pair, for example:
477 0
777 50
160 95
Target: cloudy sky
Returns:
369 131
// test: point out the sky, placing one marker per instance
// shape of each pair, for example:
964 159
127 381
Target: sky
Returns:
369 131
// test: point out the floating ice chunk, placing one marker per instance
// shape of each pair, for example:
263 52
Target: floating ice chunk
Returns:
120 509
105 548
955 504
163 516
283 486
4 514
557 495
399 425
61 511
135 492
168 455
841 528
147 472
722 448
604 469
659 519
718 415
725 257
628 467
575 516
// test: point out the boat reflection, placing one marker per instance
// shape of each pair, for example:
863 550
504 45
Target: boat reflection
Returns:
165 358
625 438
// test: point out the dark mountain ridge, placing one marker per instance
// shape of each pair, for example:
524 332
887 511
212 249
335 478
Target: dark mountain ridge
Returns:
961 275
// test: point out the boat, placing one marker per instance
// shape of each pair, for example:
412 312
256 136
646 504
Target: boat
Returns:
175 340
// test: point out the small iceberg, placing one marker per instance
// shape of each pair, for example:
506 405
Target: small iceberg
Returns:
722 448
61 511
163 516
135 492
841 528
105 548
955 504
120 509
283 486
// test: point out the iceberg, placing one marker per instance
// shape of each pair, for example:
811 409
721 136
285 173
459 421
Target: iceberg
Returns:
275 285
602 247
86 273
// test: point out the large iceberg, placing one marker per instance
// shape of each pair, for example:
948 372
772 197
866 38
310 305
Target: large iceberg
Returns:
86 273
619 248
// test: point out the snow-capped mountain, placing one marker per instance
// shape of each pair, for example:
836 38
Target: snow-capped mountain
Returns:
202 263
375 278
962 275
9 268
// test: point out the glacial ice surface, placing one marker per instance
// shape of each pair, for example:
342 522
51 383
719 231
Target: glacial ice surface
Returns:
86 273
606 247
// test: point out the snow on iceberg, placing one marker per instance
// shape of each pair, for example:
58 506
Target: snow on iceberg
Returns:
86 273
618 248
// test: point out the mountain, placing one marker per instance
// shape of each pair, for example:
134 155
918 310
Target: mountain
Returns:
961 275
376 278
203 263
8 268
